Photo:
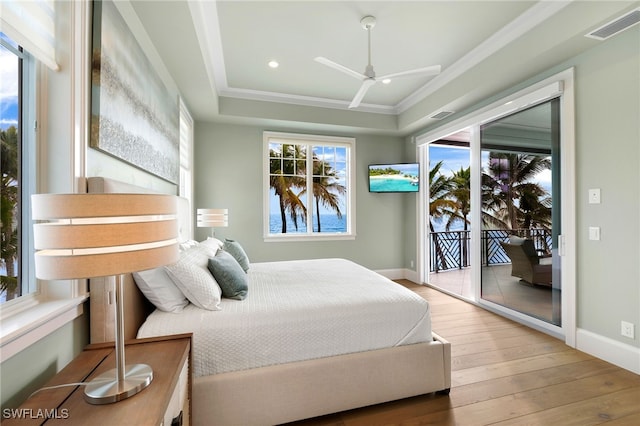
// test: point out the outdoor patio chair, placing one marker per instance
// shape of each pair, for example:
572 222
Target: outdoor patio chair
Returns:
526 264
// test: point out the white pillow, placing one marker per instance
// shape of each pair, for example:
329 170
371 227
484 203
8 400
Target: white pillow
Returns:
185 245
213 243
158 287
192 277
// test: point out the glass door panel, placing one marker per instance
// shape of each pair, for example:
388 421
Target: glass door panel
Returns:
449 226
520 197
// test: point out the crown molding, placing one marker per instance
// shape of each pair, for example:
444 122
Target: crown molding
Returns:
211 47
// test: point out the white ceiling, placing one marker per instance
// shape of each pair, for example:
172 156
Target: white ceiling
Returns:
217 53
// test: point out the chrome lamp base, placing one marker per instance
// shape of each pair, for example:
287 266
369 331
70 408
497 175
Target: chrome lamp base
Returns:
106 388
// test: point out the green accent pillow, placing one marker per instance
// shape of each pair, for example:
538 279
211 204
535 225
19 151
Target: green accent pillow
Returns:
229 275
235 249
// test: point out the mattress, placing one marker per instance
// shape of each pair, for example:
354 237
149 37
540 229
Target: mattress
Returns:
295 311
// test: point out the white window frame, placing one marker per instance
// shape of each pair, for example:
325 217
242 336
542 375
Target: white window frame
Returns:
53 304
309 140
186 157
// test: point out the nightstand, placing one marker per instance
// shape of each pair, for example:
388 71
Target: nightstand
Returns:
166 401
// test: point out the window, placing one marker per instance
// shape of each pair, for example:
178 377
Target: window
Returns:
17 104
309 187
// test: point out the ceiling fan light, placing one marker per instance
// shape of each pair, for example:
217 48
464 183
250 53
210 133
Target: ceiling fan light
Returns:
386 81
273 64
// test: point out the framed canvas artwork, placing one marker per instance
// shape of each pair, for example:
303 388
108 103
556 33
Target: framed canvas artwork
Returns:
134 116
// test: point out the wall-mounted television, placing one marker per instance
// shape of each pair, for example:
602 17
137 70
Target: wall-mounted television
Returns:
394 177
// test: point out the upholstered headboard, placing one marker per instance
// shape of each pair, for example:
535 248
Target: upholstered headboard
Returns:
136 306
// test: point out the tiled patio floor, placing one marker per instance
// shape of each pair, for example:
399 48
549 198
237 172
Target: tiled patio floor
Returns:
501 288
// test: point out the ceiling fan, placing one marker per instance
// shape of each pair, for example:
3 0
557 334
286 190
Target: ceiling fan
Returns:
369 77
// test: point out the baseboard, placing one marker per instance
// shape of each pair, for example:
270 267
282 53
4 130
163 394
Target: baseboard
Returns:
411 275
621 354
392 274
399 274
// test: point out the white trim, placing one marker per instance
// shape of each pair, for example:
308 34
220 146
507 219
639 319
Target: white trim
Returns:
24 328
393 274
617 353
80 94
476 219
301 236
568 207
28 318
423 255
206 21
544 90
531 18
308 139
286 98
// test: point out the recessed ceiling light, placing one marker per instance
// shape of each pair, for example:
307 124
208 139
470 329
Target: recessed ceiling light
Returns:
386 81
274 64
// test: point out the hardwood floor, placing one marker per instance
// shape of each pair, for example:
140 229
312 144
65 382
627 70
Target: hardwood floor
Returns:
504 373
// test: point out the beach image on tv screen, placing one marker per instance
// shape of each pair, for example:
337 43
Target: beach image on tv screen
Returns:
394 177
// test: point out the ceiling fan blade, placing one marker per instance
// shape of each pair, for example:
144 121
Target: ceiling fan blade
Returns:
363 90
432 70
340 68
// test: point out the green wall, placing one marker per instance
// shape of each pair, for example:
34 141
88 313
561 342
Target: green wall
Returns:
228 174
29 370
608 157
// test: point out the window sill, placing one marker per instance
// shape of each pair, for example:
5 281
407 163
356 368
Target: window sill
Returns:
308 237
26 326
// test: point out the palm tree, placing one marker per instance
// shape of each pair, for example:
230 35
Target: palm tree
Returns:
460 192
440 205
8 210
326 189
286 174
509 193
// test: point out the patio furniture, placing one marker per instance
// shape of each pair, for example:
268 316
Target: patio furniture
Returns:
526 264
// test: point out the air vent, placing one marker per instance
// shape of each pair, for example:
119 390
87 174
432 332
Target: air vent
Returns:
618 25
442 114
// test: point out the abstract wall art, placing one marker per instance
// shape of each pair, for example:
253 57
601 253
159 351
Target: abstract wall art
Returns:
134 116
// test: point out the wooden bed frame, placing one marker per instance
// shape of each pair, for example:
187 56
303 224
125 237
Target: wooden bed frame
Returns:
288 392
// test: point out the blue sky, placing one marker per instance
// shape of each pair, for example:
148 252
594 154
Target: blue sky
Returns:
454 158
8 88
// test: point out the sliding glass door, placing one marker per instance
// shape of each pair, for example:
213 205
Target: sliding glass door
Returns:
511 247
521 211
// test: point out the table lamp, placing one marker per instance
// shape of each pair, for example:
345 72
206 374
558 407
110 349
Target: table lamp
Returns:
212 218
98 235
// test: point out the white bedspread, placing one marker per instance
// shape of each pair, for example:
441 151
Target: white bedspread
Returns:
299 310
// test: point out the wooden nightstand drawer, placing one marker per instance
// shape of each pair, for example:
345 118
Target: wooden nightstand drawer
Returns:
180 404
168 395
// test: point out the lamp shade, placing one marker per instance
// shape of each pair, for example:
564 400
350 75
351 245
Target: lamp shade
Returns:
212 218
96 235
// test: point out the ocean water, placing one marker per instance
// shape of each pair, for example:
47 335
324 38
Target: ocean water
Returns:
392 185
329 223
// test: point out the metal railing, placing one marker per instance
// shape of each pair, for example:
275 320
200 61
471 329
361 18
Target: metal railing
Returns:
452 249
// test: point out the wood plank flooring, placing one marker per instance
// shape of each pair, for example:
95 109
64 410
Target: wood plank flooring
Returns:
504 373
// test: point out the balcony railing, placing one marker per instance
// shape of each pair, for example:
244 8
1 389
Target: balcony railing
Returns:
451 249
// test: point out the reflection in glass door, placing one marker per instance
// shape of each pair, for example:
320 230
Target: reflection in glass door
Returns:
520 197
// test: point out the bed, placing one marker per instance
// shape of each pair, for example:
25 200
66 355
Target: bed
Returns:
369 341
